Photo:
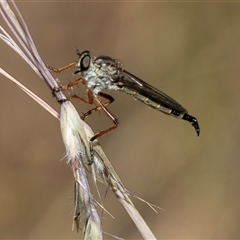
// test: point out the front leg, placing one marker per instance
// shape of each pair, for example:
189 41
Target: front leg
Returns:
58 70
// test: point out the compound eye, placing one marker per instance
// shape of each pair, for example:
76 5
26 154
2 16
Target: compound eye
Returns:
85 62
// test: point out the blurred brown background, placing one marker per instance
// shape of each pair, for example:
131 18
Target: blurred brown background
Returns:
191 51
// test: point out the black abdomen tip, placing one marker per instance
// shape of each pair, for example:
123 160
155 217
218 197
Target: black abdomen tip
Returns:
194 122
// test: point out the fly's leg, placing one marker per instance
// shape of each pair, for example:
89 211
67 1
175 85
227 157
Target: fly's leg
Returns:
103 95
110 115
75 82
66 87
58 70
103 107
115 121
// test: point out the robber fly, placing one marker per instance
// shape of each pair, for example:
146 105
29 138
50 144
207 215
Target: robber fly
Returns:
103 72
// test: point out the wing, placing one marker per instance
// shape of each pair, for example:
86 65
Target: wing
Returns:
151 96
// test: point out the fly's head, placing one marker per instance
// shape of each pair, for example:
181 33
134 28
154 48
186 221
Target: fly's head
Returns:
99 72
84 63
